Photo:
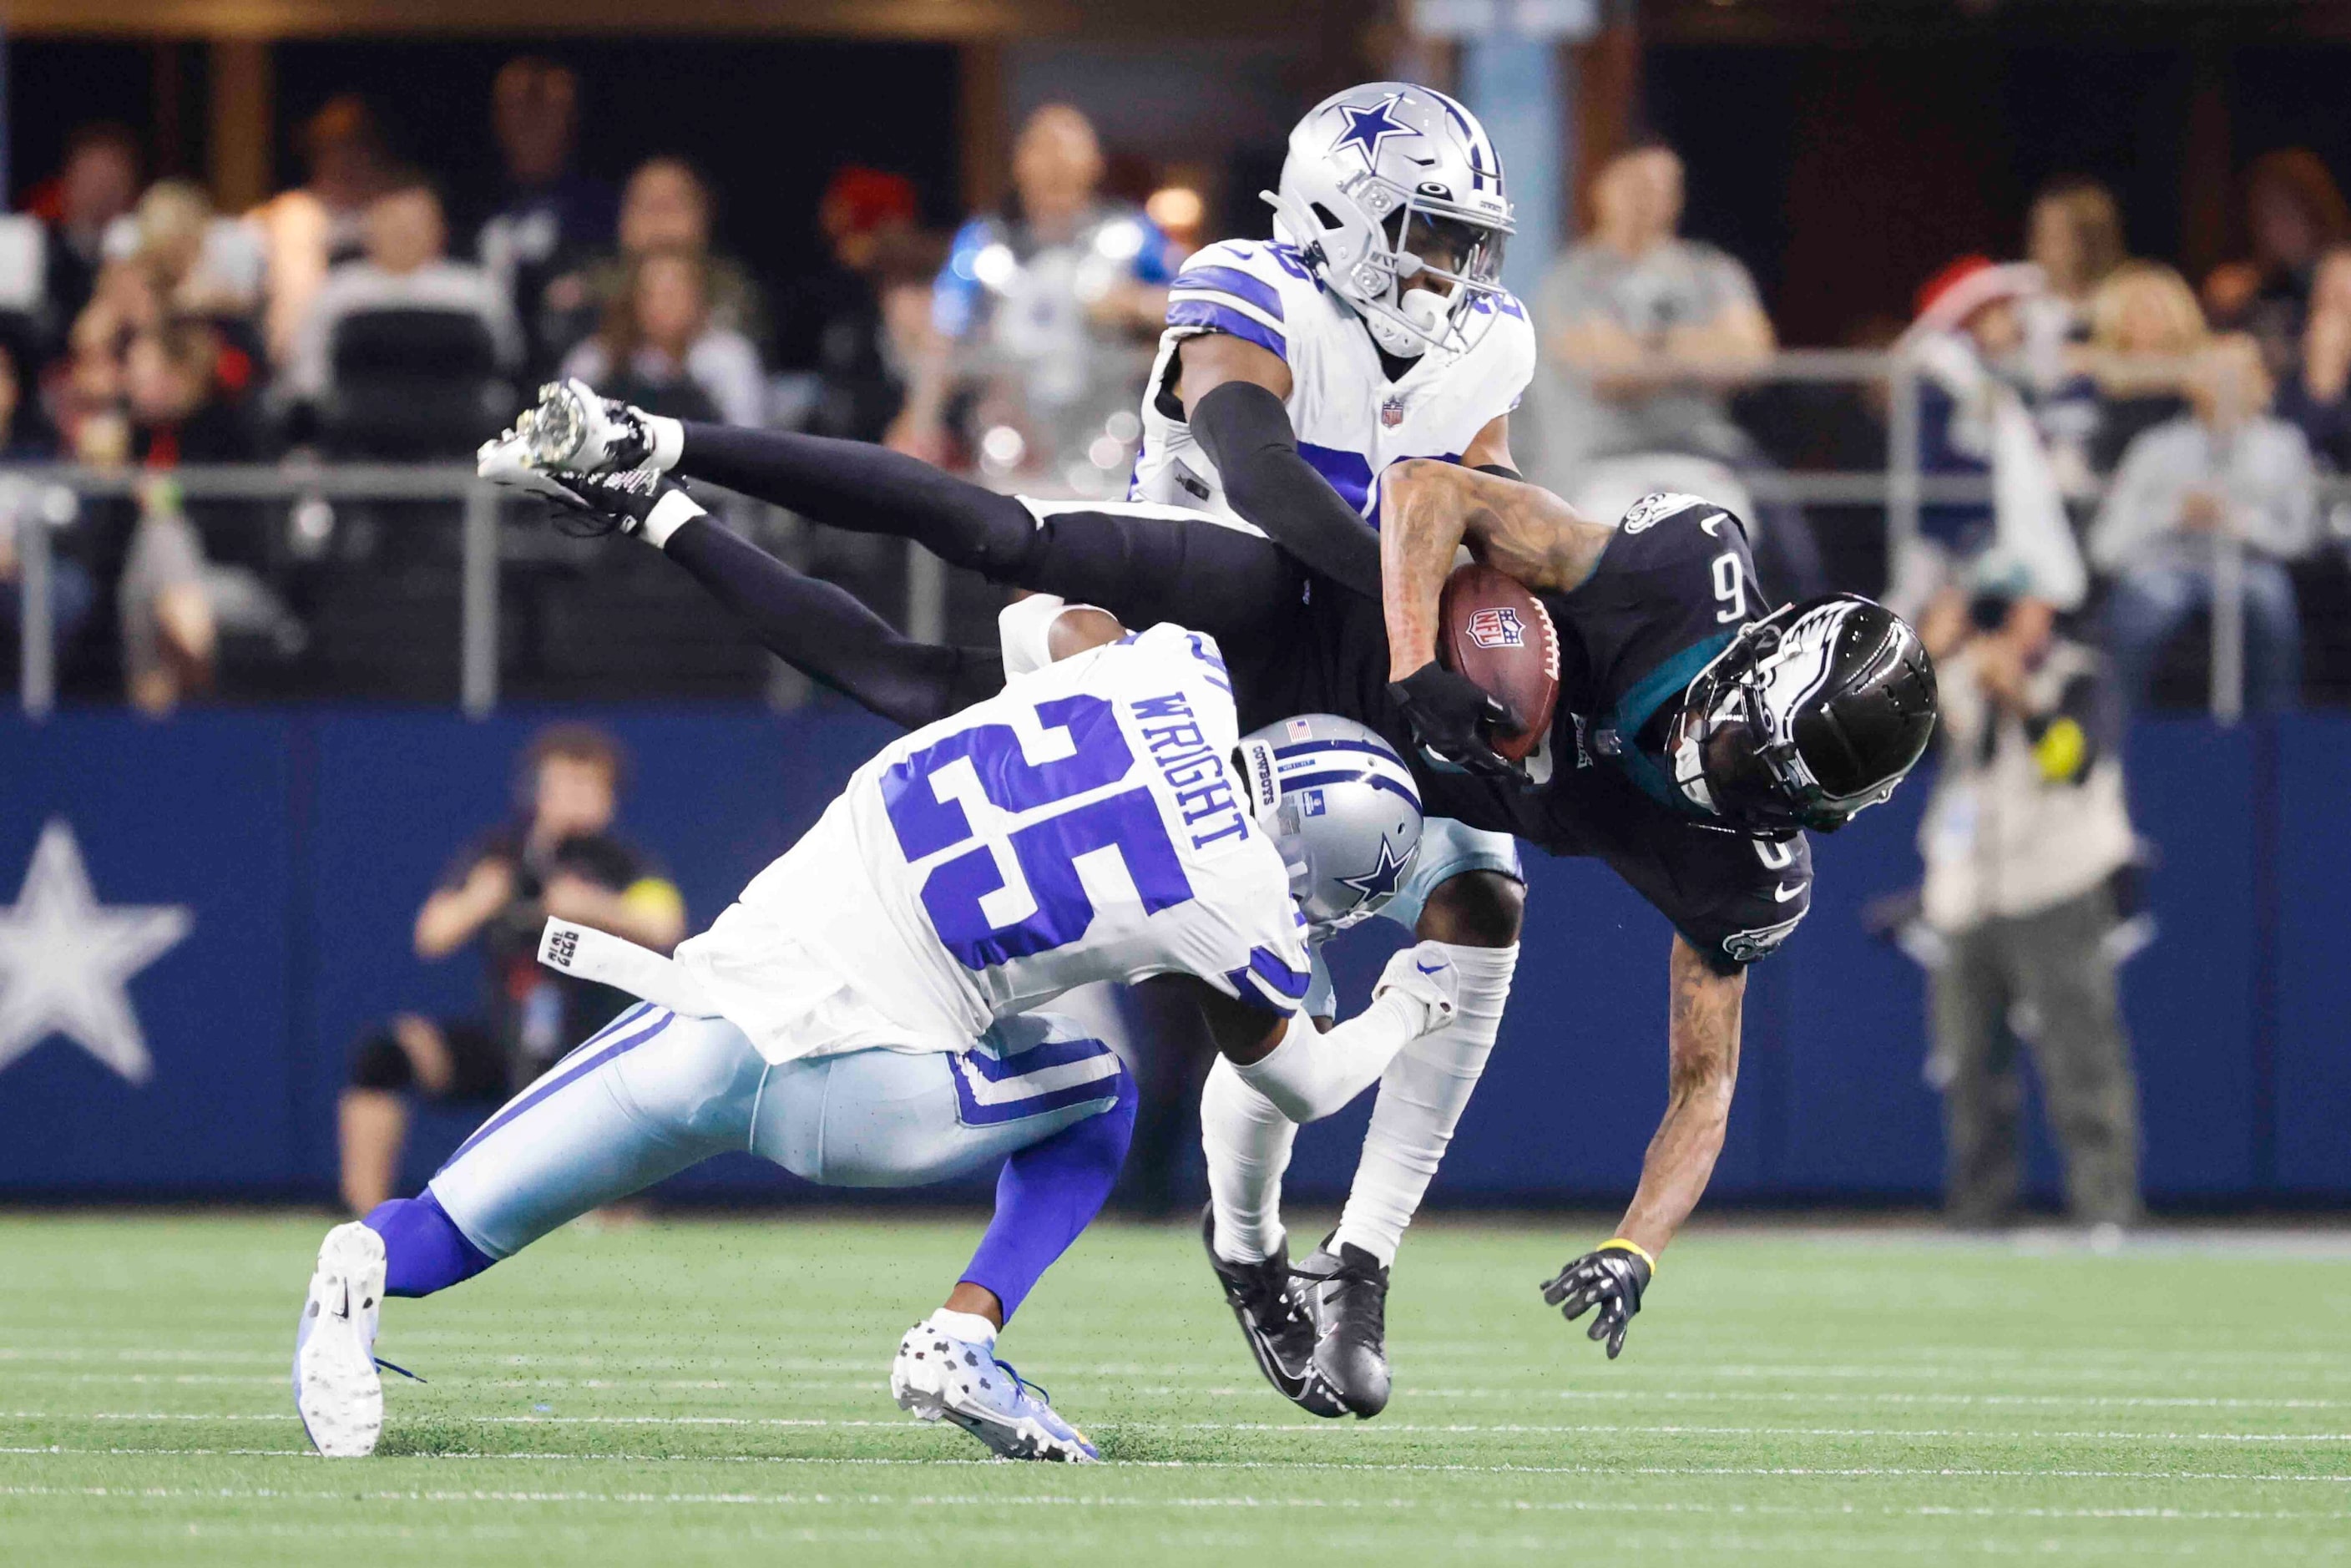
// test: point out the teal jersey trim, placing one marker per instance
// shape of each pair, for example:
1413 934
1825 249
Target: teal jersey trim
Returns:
1621 725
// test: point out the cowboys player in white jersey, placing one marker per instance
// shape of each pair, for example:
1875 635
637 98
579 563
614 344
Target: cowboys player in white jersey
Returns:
1292 372
862 1014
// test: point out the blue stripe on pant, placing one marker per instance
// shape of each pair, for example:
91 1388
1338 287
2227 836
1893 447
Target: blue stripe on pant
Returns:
655 1094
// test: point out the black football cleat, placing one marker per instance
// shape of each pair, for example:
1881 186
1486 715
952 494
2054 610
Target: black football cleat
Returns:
1346 1294
1279 1334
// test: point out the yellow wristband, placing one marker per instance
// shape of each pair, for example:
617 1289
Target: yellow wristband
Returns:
1634 1248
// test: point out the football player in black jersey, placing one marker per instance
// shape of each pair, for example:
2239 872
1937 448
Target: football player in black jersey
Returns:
1697 733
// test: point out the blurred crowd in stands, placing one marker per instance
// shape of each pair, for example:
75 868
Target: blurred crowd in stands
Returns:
2103 439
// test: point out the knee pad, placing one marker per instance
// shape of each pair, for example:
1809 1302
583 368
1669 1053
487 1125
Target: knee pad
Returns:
380 1064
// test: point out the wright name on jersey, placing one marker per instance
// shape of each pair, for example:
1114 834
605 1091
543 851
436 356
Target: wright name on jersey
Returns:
1351 420
1082 825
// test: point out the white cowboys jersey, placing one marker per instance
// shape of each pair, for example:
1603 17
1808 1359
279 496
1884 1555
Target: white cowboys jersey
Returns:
1352 421
1082 825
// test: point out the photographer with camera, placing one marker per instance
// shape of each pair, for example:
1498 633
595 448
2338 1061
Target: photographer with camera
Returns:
560 857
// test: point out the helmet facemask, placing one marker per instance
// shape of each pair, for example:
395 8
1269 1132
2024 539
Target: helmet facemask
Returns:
1750 746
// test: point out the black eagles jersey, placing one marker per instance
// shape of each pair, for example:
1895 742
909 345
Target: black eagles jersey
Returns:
1670 591
1673 586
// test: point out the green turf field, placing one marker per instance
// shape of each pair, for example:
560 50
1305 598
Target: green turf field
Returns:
705 1392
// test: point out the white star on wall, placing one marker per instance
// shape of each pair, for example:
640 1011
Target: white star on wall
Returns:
66 960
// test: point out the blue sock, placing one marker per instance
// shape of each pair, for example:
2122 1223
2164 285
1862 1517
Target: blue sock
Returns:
1049 1192
424 1249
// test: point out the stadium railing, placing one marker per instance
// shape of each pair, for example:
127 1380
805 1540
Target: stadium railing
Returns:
31 494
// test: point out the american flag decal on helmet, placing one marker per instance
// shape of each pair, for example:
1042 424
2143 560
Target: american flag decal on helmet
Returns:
1497 627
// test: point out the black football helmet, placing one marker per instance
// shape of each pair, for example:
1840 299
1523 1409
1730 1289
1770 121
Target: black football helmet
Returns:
1812 713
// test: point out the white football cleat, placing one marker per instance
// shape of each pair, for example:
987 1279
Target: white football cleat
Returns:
938 1375
336 1388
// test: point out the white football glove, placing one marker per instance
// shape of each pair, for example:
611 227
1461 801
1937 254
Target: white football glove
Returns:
1426 974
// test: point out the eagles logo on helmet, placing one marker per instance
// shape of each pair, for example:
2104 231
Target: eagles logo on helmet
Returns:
1811 714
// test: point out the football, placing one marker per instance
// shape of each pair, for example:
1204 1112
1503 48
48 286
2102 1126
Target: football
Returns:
1494 629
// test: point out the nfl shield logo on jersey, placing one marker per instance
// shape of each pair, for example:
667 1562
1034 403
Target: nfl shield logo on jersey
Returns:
1497 627
1392 412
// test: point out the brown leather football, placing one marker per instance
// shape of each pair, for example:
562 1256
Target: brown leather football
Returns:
1492 629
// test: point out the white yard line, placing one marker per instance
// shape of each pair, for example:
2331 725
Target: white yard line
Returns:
1612 1395
1559 1427
1366 1467
878 1500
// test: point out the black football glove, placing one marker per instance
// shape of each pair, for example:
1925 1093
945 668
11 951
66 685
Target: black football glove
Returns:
1611 1279
1453 719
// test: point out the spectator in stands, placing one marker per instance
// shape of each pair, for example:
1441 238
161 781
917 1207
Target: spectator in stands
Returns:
96 185
2146 331
170 632
167 599
179 408
665 206
2292 214
2318 392
86 396
1646 333
2229 471
403 268
560 857
321 223
658 348
552 220
1048 286
71 593
1973 424
201 265
835 330
1651 327
2023 839
2075 236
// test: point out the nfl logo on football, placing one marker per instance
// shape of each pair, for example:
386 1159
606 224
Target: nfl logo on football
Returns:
1497 627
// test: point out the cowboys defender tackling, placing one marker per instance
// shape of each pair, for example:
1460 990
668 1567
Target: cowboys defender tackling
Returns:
862 1014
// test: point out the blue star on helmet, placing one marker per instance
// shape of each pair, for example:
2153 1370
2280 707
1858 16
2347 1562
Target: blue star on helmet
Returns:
1368 128
1380 881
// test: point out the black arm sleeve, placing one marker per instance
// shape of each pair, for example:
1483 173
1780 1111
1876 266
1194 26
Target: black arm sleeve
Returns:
1246 433
824 632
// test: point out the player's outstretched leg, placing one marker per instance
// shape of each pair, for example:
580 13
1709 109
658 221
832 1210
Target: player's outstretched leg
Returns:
946 1367
336 1390
649 1095
1055 1105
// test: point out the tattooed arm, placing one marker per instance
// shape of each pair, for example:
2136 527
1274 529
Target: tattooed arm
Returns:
1702 1069
1428 509
1703 1044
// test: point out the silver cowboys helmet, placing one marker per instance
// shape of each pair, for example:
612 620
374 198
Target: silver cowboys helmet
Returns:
1340 806
1387 181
